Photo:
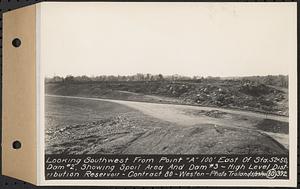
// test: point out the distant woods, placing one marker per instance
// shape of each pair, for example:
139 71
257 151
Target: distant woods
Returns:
275 80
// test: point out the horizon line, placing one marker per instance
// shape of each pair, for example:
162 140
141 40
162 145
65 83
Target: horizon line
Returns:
54 75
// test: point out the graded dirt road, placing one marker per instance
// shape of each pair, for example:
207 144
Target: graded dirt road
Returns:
173 112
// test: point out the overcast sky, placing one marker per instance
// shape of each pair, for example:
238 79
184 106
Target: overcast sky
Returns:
216 39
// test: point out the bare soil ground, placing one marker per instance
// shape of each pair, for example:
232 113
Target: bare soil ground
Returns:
94 126
232 94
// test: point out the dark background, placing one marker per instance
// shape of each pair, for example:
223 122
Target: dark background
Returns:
10 183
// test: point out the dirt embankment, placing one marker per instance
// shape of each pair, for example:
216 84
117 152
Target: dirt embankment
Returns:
236 94
103 127
119 135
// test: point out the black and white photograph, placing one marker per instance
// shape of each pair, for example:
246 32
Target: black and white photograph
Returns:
160 114
182 79
150 94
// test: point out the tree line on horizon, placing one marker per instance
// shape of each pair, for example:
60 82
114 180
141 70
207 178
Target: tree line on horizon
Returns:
276 80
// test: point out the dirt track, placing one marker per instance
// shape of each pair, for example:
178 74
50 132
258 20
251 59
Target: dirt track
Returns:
173 113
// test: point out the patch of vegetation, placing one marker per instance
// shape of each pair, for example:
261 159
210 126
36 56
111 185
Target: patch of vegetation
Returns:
273 126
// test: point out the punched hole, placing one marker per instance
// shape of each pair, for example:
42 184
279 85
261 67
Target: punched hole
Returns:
16 144
16 42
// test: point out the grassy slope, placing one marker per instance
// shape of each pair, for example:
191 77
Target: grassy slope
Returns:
82 126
